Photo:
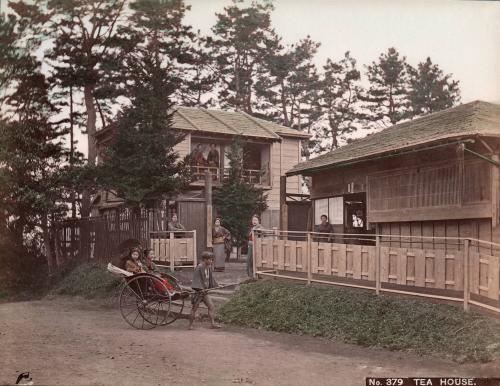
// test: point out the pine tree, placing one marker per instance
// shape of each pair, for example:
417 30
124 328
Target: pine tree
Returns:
237 200
31 148
85 39
431 90
287 73
339 99
242 38
197 80
387 97
141 165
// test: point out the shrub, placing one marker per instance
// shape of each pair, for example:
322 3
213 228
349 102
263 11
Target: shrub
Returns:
359 317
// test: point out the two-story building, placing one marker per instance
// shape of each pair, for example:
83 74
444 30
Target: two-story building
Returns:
270 150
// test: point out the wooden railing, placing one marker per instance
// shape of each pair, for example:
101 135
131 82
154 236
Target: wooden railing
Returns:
252 176
174 249
456 269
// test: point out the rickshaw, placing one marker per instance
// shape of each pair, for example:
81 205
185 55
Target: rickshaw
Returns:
147 300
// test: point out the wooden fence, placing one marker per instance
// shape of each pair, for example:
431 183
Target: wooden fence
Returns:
99 238
456 269
175 248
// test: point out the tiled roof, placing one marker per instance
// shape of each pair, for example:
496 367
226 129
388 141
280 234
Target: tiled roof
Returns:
470 119
230 123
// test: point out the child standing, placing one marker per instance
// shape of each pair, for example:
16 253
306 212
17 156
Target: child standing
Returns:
203 279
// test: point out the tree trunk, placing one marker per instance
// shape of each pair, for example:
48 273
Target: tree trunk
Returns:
92 148
51 263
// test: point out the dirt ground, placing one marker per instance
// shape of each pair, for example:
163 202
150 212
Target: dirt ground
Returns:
67 341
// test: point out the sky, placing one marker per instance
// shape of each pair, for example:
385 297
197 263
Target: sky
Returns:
462 37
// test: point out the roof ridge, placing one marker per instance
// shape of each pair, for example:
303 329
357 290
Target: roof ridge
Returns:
253 119
188 119
206 111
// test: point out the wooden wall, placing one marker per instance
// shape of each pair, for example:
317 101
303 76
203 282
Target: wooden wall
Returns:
284 156
480 229
183 148
418 187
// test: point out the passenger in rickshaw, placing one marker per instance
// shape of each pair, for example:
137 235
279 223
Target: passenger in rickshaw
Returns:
149 265
203 279
132 262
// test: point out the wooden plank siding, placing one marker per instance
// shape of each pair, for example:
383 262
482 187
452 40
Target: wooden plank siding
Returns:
183 148
181 250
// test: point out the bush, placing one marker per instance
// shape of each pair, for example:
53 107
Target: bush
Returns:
359 317
24 269
88 280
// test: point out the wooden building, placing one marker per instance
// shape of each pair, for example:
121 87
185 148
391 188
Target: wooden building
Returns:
271 150
437 175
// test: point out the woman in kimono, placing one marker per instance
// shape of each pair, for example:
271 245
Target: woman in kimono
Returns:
255 226
219 237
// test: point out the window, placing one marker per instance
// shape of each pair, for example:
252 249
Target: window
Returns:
332 207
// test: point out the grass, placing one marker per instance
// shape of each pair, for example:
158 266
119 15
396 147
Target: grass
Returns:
362 318
89 281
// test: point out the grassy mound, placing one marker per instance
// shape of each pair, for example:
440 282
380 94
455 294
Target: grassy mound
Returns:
89 281
363 318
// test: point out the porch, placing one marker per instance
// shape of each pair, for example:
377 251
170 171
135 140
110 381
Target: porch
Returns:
210 155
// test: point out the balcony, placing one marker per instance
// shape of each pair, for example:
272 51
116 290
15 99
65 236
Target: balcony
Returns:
253 176
211 156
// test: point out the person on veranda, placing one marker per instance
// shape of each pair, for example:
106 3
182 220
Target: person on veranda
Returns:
175 226
324 227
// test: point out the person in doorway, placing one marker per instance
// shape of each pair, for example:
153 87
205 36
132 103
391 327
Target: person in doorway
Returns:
220 235
324 227
255 226
357 220
203 279
175 226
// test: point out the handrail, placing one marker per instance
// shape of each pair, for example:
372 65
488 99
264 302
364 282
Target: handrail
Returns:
381 235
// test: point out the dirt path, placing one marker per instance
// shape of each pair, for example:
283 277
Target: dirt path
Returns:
68 342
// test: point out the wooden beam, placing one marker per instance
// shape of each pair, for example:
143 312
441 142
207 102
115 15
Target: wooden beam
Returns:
283 205
495 176
208 200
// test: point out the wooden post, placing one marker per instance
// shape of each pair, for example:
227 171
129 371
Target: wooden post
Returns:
466 274
195 250
377 265
309 258
254 260
494 192
171 252
461 174
208 200
283 205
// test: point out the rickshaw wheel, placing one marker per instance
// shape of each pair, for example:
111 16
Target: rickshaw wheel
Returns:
176 308
144 302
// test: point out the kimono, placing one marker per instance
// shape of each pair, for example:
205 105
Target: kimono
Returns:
134 266
219 237
326 228
176 227
250 249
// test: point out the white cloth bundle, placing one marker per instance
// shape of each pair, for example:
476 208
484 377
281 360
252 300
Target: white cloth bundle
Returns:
118 271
